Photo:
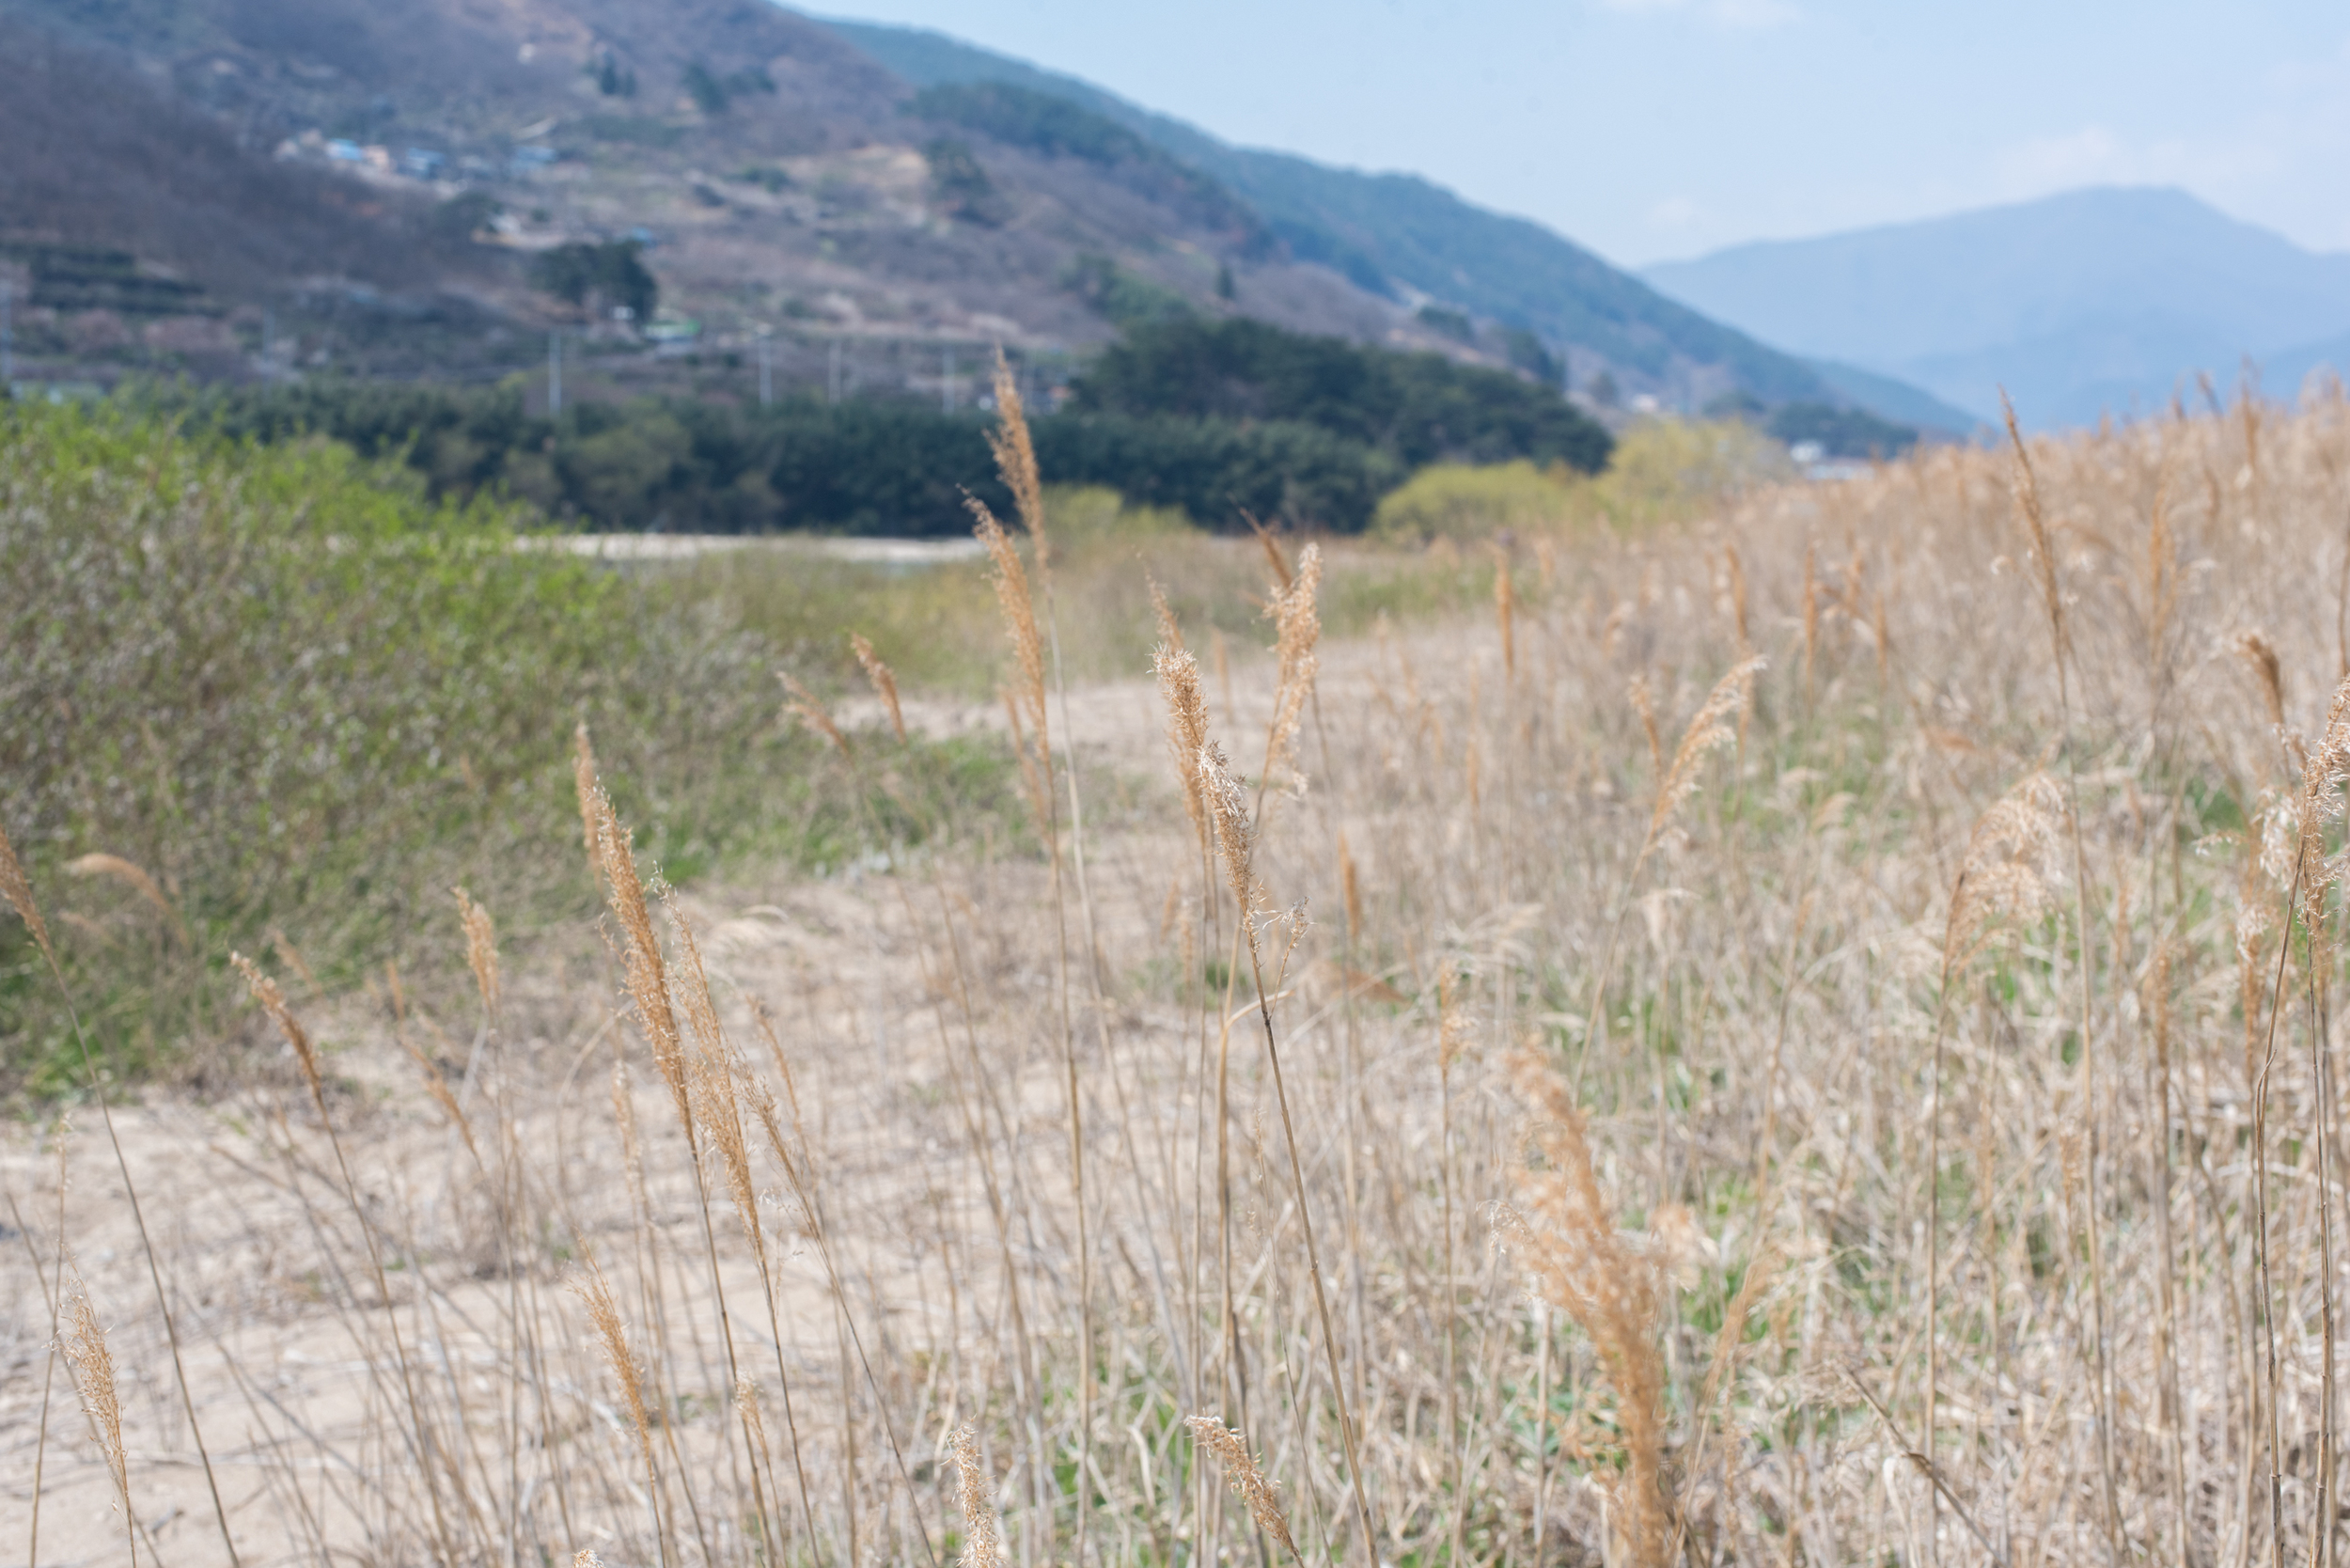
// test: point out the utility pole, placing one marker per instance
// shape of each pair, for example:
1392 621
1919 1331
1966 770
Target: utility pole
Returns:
832 375
268 344
554 372
947 379
8 339
766 369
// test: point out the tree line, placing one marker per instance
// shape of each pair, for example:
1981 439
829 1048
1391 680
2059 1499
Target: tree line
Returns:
1217 421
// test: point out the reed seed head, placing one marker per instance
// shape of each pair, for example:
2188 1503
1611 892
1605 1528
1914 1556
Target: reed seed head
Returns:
273 999
981 1539
1247 1482
1019 607
482 949
1452 1024
1015 460
885 681
92 1365
1709 732
644 972
2255 649
1350 889
2027 488
1594 1274
2004 878
1187 724
589 789
612 1334
1170 630
1297 622
1227 807
19 893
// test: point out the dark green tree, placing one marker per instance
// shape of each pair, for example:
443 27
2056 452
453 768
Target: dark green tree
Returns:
593 275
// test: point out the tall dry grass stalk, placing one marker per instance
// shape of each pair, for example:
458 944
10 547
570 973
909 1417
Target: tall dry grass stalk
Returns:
1855 1236
84 1343
17 891
1588 1269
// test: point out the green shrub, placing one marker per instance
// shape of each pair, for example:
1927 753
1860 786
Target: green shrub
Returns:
306 699
609 273
1420 408
1460 501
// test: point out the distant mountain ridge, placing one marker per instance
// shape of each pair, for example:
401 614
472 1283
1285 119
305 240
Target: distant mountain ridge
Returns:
259 189
2093 301
1400 234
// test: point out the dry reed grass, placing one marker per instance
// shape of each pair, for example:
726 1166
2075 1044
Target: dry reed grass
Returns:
1877 944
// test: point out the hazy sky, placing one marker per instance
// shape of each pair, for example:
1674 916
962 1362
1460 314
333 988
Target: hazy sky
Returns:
1650 130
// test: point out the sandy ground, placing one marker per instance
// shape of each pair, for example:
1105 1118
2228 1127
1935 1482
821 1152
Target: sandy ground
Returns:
247 1214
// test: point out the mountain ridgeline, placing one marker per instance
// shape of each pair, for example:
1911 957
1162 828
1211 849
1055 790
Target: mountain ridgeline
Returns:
1398 237
2077 306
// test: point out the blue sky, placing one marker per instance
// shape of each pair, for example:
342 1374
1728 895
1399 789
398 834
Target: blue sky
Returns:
1652 130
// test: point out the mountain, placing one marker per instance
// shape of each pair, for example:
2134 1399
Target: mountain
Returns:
2093 301
1403 238
380 187
264 188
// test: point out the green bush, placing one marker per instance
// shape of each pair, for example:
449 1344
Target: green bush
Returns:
1421 408
306 699
609 273
1460 501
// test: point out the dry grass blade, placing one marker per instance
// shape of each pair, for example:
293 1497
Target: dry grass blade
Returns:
1246 1481
802 704
290 956
134 878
